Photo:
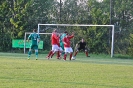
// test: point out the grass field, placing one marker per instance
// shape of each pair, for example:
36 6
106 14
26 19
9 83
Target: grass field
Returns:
97 71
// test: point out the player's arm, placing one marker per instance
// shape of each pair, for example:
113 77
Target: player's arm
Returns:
38 38
29 38
71 35
77 45
55 36
64 42
87 47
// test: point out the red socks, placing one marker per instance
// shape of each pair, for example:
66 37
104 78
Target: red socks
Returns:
75 53
65 55
50 53
86 53
58 54
70 56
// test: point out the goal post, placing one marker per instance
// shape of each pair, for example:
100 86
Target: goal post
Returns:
85 25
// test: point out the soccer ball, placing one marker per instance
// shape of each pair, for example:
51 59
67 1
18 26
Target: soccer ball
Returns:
73 58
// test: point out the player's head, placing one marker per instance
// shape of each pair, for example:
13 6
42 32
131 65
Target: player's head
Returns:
82 40
66 35
66 32
34 30
55 30
58 34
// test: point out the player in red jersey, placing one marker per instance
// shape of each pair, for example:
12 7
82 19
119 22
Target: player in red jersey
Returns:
67 45
54 42
60 49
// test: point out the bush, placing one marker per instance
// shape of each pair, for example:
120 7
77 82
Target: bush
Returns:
130 49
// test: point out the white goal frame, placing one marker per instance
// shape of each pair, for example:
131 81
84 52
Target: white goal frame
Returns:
26 36
112 44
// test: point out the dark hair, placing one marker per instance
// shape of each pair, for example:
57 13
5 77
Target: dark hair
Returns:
34 30
66 32
55 30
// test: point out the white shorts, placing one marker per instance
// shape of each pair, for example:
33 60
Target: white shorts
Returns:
61 49
68 49
55 48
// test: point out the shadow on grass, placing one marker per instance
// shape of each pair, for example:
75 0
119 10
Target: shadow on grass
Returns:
123 56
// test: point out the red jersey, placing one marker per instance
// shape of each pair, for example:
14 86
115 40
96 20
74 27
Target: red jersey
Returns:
58 40
67 41
54 38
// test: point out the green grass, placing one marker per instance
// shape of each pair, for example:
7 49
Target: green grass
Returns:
97 71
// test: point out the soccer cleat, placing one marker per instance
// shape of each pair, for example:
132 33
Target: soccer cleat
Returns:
59 58
73 58
87 56
47 57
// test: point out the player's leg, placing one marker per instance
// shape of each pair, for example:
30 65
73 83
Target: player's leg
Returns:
36 51
61 50
76 52
78 49
71 52
66 52
58 54
51 52
29 52
62 46
86 52
57 49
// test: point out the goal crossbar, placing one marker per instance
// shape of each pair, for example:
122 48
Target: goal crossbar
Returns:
112 44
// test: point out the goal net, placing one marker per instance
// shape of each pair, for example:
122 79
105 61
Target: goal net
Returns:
99 38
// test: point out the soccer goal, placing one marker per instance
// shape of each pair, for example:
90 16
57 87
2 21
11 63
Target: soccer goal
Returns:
83 25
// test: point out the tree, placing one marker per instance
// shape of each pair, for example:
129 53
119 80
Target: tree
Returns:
4 25
122 17
19 13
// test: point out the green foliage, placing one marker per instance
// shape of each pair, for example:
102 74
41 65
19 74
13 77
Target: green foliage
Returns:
19 12
20 16
130 48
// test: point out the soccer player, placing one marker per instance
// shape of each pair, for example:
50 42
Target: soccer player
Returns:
82 46
67 46
35 39
60 49
54 42
61 39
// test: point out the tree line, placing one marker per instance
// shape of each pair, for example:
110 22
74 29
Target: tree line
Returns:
20 16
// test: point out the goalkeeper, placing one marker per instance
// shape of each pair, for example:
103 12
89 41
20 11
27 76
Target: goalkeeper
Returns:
82 46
